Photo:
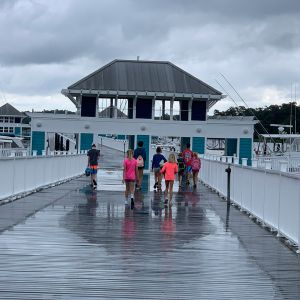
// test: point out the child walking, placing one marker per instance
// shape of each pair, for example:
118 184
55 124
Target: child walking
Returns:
196 165
130 172
158 161
169 169
181 168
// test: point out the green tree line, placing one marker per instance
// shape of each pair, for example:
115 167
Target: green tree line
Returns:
273 114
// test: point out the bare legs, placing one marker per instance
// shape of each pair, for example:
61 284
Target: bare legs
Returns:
169 190
140 177
93 179
158 179
129 188
195 178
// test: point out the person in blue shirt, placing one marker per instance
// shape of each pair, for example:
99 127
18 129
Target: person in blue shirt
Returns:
140 156
158 161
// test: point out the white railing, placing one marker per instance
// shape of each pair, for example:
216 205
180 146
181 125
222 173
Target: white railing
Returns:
18 152
273 197
26 174
293 163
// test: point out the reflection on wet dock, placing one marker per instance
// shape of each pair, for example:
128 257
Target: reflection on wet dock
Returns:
86 244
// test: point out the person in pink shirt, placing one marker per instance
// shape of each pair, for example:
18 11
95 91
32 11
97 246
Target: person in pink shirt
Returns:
196 165
187 155
130 171
170 169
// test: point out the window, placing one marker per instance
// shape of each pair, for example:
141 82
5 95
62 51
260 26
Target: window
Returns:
17 120
11 129
1 129
11 120
5 129
6 119
1 119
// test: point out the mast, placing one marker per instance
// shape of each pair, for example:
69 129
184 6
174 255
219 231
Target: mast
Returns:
295 108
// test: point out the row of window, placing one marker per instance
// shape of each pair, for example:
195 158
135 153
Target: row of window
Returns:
10 120
7 129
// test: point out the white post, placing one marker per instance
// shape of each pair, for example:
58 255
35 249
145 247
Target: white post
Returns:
244 161
34 152
283 165
268 164
254 162
236 160
223 158
43 152
229 159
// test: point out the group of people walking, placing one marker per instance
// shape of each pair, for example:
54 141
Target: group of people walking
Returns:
187 165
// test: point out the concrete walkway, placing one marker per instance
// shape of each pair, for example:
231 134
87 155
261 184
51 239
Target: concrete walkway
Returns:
70 242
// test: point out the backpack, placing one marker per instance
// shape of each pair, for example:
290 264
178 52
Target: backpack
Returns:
196 164
140 161
87 171
161 163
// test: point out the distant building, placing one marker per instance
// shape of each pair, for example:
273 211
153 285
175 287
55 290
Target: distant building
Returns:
138 100
14 122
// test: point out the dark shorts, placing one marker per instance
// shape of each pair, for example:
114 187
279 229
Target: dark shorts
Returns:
93 169
140 168
180 173
129 180
195 171
156 170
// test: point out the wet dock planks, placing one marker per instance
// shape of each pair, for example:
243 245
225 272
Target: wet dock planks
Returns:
75 243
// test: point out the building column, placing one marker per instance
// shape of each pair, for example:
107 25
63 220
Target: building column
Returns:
153 108
245 149
115 115
134 107
198 144
231 147
183 142
38 141
190 109
111 108
171 109
86 141
97 106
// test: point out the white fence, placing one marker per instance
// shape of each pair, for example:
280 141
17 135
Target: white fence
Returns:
292 163
14 152
25 174
273 197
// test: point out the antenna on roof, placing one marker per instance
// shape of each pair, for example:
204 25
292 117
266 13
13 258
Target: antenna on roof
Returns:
137 58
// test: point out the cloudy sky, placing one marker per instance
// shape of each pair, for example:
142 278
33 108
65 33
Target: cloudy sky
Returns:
47 45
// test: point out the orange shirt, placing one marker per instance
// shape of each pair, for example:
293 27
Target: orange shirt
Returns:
169 169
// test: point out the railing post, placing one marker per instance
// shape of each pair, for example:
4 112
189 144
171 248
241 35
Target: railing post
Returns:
244 161
228 171
254 162
236 160
268 164
283 165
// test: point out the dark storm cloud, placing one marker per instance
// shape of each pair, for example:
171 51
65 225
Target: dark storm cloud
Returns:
47 45
54 31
